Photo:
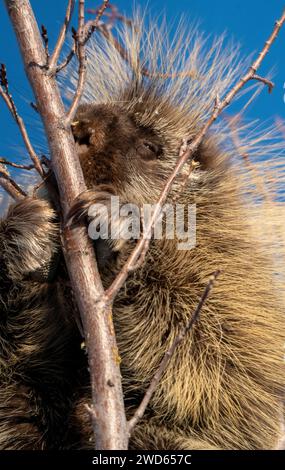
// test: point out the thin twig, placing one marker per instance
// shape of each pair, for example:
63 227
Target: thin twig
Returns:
89 28
113 15
186 151
7 97
4 161
81 39
185 178
265 81
61 38
92 25
82 64
169 354
66 61
144 251
10 185
70 55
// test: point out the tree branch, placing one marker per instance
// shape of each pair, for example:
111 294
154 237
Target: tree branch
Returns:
4 161
81 39
113 15
61 38
10 185
265 81
66 61
110 422
89 28
80 36
7 97
92 25
169 354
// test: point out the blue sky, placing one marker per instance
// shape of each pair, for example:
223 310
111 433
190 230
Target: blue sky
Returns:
247 22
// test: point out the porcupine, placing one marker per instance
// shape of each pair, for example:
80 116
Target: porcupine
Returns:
224 386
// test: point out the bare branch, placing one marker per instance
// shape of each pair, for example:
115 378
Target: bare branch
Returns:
81 39
10 185
89 28
265 81
92 25
169 354
82 64
186 151
113 15
251 74
185 178
61 38
66 61
7 97
143 253
110 422
4 161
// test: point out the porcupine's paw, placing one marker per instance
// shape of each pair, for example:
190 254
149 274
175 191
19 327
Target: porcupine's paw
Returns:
106 223
84 202
29 240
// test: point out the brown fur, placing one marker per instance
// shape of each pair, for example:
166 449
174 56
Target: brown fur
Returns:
224 386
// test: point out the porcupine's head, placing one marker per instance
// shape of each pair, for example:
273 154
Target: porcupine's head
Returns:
137 109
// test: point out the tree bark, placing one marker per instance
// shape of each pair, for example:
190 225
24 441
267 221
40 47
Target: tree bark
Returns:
108 413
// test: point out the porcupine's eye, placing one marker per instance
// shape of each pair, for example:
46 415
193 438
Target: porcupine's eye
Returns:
149 150
83 140
81 132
